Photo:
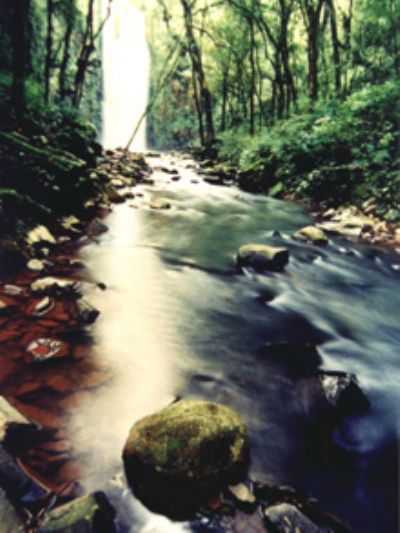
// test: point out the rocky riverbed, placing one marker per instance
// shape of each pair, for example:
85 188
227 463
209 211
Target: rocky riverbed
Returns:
173 284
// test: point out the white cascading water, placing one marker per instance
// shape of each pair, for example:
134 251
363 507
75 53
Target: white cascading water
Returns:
126 65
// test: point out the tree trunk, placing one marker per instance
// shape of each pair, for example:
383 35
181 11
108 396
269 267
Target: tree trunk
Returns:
197 103
253 77
49 50
313 57
62 78
198 72
21 49
84 56
224 101
335 48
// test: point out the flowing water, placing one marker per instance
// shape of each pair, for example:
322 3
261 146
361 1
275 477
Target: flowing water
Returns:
126 64
178 319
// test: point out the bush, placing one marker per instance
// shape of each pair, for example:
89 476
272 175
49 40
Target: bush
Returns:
341 151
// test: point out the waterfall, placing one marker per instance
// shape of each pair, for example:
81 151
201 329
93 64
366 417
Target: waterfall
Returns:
126 66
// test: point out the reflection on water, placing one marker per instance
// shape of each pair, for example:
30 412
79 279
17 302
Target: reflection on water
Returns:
178 319
136 335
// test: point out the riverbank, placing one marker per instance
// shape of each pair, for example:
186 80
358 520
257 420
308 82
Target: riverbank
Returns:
358 222
342 155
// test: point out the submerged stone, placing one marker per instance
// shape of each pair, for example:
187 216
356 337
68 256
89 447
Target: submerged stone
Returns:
263 257
160 204
183 455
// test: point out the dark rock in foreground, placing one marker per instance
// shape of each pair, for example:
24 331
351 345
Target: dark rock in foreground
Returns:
178 458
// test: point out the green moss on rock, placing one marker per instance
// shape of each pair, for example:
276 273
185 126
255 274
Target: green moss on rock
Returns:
184 452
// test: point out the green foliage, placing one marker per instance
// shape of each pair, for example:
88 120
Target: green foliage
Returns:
339 151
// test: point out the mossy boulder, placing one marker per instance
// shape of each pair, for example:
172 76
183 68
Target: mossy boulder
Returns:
180 457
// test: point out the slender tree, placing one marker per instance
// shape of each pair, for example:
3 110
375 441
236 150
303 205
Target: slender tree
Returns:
21 52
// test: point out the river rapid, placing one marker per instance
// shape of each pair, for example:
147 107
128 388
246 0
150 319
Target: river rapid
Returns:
178 319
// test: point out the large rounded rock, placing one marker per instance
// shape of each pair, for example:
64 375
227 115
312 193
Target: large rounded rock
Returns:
178 458
262 257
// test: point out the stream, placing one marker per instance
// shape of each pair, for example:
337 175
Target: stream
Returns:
178 319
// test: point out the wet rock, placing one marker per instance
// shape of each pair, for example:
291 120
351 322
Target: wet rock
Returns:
90 514
71 223
87 314
90 204
9 415
63 239
262 257
184 454
242 493
166 170
46 348
115 197
58 286
44 306
312 234
96 227
213 179
332 396
348 222
13 290
289 519
40 235
160 204
36 265
119 183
